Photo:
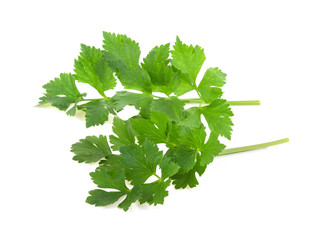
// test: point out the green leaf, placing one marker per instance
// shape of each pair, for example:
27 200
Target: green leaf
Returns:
183 82
209 87
111 162
200 169
141 102
211 149
185 157
146 129
173 134
172 107
168 167
160 120
122 54
124 134
91 149
121 51
161 73
141 160
156 129
160 192
155 192
182 180
114 179
100 197
96 113
72 110
218 115
135 78
131 197
62 92
193 137
156 62
92 68
188 59
192 117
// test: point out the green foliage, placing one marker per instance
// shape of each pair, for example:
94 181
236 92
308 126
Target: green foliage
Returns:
62 92
92 68
96 112
132 167
91 149
209 87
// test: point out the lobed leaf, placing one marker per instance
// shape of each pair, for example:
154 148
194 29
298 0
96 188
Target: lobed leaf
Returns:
122 54
141 102
161 73
188 59
209 87
96 113
141 160
100 197
62 92
172 107
124 134
91 149
218 115
92 68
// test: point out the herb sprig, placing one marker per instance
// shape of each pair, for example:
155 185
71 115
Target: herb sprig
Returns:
131 166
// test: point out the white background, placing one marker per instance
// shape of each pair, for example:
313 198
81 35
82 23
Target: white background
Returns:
267 50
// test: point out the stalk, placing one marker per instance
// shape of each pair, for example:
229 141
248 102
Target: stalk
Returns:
244 103
232 103
198 101
253 147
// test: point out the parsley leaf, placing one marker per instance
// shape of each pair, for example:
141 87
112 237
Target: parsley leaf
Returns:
141 160
100 197
91 149
114 179
122 54
211 149
124 134
155 129
141 102
209 87
185 157
172 107
62 92
92 68
96 112
168 167
131 197
218 115
161 73
193 137
155 192
182 180
188 60
192 117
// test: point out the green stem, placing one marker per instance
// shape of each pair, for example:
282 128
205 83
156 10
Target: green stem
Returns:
232 103
240 103
252 147
88 99
198 101
160 179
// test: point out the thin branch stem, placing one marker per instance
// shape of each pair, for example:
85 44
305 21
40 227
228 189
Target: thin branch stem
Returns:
154 174
197 101
244 103
253 147
232 103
